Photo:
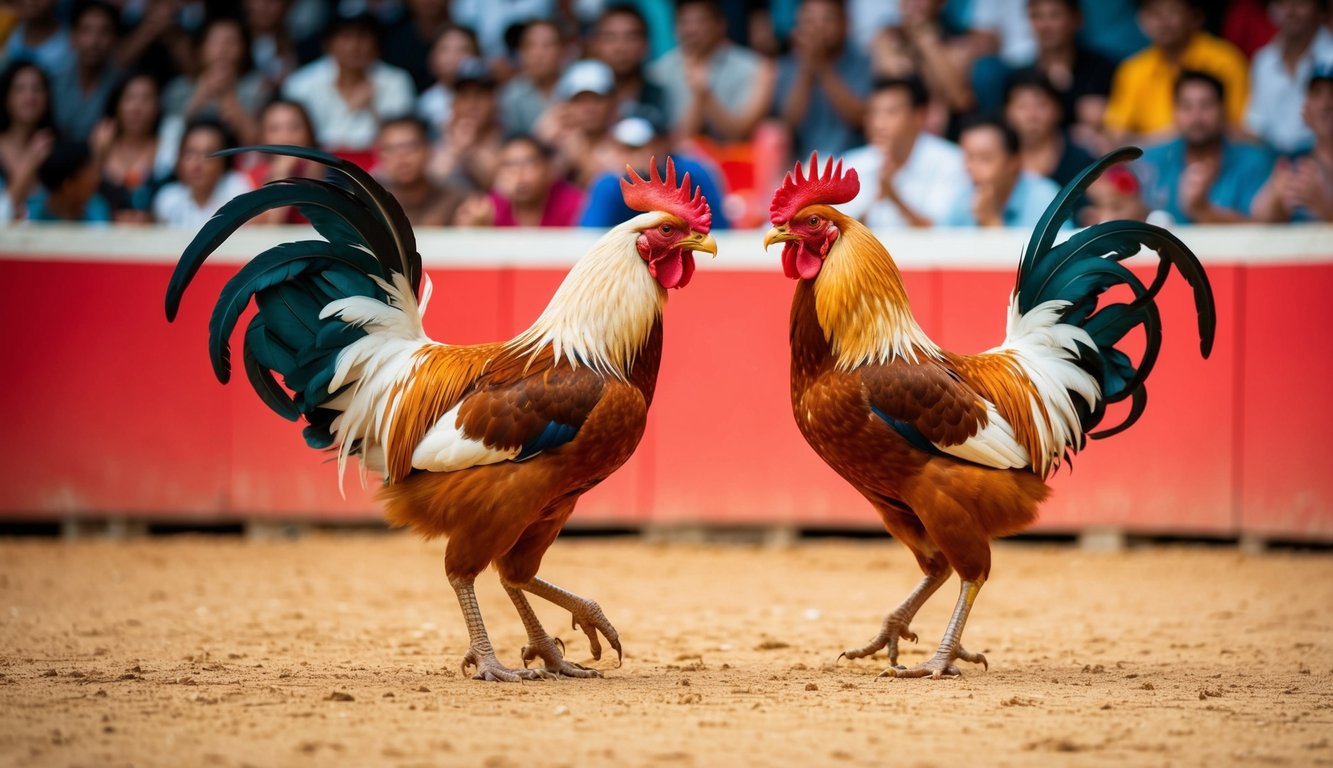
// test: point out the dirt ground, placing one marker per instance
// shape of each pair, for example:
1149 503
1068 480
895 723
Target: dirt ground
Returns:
344 650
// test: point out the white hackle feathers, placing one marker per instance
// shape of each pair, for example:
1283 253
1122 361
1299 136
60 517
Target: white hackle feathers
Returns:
603 312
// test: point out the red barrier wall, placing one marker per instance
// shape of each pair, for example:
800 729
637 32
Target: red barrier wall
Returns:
111 411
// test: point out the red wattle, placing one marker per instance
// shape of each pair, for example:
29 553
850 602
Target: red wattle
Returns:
799 262
673 270
808 264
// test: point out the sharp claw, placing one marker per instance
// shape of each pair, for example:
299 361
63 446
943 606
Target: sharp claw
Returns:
841 656
560 644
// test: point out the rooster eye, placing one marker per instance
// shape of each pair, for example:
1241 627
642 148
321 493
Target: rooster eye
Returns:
814 221
666 229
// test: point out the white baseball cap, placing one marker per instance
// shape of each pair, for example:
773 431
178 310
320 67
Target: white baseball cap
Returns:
586 76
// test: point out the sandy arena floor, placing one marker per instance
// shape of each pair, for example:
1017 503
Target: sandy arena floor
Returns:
344 650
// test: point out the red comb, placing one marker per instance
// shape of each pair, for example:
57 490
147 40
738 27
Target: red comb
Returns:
831 186
658 194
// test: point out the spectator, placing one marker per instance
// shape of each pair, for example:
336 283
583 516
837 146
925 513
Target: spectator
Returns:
125 143
204 183
490 20
528 192
713 86
823 82
282 122
1112 197
226 88
531 92
1301 188
1202 176
868 19
272 49
156 40
1140 105
1248 24
927 46
908 177
1032 106
403 149
69 187
39 37
27 128
578 125
620 40
469 150
637 143
1081 75
1001 40
451 48
1111 28
407 44
82 85
348 91
1002 193
1281 70
1003 29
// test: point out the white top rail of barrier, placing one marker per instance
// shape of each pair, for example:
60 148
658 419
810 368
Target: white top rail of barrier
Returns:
739 250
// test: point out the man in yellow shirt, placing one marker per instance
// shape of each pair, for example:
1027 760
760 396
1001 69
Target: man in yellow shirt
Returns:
1140 104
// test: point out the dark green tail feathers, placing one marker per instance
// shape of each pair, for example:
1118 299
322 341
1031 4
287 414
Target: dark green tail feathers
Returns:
366 235
1082 268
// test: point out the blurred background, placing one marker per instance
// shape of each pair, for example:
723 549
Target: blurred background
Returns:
962 119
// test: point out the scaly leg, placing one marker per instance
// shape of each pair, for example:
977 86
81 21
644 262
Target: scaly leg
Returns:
587 615
540 643
480 653
897 624
951 648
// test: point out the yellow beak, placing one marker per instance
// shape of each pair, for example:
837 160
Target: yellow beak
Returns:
698 242
778 234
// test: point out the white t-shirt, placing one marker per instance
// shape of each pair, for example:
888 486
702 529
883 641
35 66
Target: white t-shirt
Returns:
336 126
1009 20
1276 95
174 206
928 183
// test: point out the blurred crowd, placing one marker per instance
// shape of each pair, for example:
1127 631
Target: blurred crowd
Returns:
526 112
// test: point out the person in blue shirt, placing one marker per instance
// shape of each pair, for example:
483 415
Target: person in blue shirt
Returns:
823 83
1202 177
634 141
69 180
1002 193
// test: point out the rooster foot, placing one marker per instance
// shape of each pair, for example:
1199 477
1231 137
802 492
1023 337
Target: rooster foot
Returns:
893 629
941 665
587 615
490 669
552 651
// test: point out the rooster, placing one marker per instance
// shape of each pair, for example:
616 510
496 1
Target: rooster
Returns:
490 445
953 450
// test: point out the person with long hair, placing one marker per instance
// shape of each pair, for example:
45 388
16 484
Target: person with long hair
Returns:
226 87
286 122
27 129
126 147
204 182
